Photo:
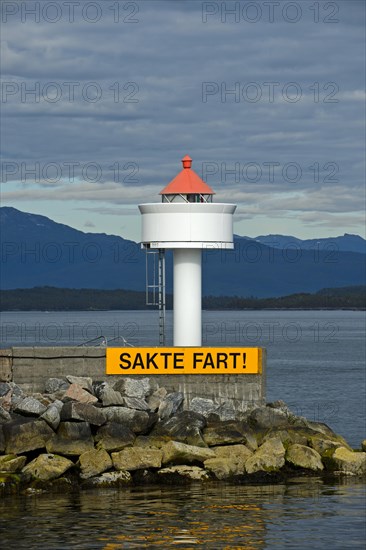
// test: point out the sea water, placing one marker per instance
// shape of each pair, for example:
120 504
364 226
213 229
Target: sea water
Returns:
315 363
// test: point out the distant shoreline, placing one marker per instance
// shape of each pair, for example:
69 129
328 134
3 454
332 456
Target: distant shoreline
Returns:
68 299
203 309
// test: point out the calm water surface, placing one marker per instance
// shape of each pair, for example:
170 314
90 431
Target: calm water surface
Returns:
302 514
315 362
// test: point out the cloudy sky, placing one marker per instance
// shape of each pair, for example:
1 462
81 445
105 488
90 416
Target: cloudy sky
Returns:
101 100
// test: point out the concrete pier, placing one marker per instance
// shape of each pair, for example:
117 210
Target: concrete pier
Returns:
30 368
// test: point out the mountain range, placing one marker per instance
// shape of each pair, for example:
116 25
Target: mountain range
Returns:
36 251
345 243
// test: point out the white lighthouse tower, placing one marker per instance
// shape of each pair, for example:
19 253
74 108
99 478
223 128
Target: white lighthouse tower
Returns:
187 221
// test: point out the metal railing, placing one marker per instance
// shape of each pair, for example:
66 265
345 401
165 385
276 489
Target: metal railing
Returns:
102 342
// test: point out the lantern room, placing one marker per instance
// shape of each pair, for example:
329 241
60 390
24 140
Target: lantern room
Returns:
187 186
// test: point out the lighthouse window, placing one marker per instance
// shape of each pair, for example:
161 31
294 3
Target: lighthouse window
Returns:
193 198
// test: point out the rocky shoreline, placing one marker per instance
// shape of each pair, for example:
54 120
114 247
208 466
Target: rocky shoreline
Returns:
82 433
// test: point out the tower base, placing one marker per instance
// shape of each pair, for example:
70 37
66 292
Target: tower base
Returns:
187 297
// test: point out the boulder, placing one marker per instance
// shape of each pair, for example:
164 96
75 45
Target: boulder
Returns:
137 458
287 436
224 432
323 429
4 388
107 395
114 437
235 452
52 414
16 390
46 400
304 457
77 393
109 479
94 462
136 421
136 403
268 457
183 474
72 410
230 461
72 439
268 417
135 387
4 416
15 400
5 402
321 444
110 397
24 435
156 398
226 412
203 406
12 463
84 382
279 404
47 467
170 405
176 452
185 427
342 460
97 387
225 467
55 385
30 407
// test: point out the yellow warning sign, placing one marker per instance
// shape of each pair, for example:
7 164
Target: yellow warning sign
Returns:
184 361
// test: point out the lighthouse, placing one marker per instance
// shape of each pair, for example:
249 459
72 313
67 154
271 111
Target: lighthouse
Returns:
187 221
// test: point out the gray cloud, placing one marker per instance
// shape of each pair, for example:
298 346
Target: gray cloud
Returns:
152 110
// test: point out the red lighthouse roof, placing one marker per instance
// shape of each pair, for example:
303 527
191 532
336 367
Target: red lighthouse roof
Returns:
187 182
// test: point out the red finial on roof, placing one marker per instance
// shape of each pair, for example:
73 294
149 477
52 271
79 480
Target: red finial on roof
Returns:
187 162
187 182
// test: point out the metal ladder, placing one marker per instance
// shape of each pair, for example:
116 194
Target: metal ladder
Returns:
155 286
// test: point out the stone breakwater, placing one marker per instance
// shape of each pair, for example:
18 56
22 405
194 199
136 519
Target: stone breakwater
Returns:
80 433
